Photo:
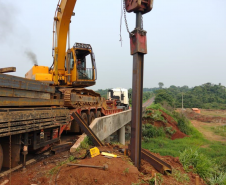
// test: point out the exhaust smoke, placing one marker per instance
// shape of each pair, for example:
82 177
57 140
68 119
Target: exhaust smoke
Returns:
32 57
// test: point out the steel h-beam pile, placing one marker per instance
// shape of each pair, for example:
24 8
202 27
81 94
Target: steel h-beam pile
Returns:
138 44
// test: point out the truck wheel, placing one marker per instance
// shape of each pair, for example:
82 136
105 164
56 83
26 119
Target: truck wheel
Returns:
98 114
1 157
85 117
91 117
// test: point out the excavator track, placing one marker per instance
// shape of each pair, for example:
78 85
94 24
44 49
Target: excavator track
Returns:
80 97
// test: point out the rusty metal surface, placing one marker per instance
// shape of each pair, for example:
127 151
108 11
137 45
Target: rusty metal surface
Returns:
1 157
15 151
15 121
15 82
22 102
143 6
137 97
18 93
86 129
60 148
157 163
138 41
80 97
7 69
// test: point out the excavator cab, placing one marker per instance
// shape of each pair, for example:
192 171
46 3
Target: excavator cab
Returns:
80 66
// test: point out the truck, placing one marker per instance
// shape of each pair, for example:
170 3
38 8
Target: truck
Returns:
35 110
121 96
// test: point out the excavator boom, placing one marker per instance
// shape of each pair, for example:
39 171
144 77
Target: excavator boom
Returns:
62 21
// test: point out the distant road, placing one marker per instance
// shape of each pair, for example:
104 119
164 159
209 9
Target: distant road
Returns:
148 102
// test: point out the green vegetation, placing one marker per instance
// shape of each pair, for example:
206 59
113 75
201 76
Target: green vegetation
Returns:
103 92
197 154
55 169
126 171
206 96
219 130
155 115
86 143
180 177
150 131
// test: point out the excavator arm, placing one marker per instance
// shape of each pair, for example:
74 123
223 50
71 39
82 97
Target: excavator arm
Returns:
62 20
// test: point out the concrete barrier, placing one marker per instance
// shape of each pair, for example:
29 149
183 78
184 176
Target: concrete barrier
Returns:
105 126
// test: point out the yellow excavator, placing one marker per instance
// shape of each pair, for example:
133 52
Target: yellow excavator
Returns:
72 70
69 69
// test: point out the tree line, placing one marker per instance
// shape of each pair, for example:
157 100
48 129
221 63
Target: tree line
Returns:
206 96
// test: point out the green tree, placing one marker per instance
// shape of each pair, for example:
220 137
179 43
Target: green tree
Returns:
161 85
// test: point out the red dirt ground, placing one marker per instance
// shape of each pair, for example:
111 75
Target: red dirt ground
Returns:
204 118
120 171
175 163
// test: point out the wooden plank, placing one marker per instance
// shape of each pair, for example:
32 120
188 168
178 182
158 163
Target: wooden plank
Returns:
18 93
7 69
22 102
15 82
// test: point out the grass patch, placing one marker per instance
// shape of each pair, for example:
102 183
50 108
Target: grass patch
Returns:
150 131
180 177
209 161
86 143
219 130
193 160
183 123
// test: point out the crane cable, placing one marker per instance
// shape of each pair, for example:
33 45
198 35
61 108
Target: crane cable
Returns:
123 10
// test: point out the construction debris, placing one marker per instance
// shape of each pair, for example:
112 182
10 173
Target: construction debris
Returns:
61 148
108 154
7 69
157 163
105 167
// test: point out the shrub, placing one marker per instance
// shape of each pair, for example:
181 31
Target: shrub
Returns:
202 165
170 130
151 131
192 159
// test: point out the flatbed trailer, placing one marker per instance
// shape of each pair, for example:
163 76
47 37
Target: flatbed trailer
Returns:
33 115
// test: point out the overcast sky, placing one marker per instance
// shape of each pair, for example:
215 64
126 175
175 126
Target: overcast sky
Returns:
186 39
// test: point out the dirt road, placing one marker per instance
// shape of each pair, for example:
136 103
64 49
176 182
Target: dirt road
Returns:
148 102
208 134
